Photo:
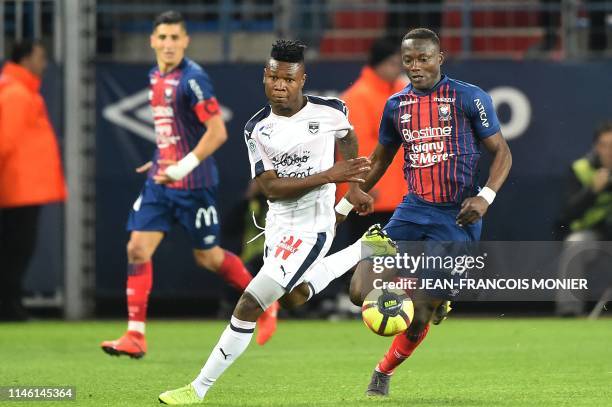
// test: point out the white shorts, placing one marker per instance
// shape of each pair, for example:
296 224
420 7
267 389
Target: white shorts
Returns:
288 254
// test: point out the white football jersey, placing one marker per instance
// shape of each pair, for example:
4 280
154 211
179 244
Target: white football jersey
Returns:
297 147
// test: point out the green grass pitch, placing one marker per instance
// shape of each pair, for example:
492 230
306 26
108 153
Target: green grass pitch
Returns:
463 362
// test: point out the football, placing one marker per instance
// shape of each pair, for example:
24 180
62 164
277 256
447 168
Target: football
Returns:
387 312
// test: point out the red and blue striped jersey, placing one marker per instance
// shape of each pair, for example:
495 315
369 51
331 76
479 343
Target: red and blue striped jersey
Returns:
182 100
440 130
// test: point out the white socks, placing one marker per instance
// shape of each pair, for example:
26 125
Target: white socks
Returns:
334 266
232 343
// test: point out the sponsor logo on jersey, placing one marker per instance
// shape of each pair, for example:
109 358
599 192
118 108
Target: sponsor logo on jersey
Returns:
313 127
162 112
482 113
287 246
164 136
408 102
405 118
444 112
427 132
444 100
193 84
428 154
292 165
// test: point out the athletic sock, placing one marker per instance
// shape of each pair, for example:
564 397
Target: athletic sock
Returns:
232 343
233 271
334 266
139 282
401 348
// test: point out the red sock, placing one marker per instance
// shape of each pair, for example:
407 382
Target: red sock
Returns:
400 350
233 271
139 282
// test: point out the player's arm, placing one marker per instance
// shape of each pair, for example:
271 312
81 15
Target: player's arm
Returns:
201 98
389 142
213 138
348 147
475 207
277 188
381 159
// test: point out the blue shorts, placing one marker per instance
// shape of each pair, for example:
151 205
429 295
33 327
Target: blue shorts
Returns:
417 220
158 208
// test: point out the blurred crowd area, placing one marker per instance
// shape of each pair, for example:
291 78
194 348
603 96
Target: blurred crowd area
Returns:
241 30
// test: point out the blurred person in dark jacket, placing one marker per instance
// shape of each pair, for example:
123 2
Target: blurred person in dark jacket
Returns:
587 215
30 169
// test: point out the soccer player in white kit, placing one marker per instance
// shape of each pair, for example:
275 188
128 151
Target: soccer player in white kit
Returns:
291 144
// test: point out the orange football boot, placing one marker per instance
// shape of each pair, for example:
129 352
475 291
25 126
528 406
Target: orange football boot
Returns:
132 344
266 324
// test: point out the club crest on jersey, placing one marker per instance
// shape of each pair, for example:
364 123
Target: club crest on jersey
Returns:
168 95
313 127
444 112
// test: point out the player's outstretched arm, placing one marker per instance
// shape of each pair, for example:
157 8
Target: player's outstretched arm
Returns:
276 188
475 207
348 147
381 158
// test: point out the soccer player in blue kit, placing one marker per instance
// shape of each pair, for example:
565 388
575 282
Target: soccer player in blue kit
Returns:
182 180
440 122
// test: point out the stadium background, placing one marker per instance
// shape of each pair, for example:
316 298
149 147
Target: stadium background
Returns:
549 100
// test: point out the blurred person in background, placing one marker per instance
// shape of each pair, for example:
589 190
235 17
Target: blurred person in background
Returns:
365 99
31 172
181 185
587 215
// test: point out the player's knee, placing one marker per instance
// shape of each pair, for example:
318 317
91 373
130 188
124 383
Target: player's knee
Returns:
137 252
247 309
209 259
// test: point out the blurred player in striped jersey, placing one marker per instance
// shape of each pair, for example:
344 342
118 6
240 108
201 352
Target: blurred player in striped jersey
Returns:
182 180
441 123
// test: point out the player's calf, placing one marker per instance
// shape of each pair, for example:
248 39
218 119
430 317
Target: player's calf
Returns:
364 279
298 296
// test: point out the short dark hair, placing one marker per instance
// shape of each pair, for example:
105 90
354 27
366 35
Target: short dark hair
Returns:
169 17
383 48
288 51
422 34
604 127
23 49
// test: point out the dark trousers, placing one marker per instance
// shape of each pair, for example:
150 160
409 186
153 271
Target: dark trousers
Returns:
18 230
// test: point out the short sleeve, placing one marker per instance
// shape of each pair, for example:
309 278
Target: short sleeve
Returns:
342 124
387 132
201 96
482 115
259 161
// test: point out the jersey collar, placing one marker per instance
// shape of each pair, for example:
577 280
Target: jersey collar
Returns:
442 81
180 66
